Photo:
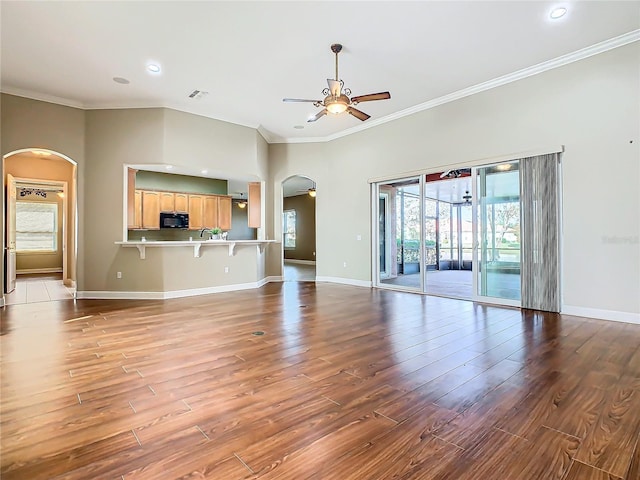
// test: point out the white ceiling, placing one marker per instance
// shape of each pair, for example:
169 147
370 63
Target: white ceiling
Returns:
250 55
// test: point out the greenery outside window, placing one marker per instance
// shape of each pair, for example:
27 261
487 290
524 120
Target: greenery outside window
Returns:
36 227
289 229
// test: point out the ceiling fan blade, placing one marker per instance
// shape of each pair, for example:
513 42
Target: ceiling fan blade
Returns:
335 87
321 113
300 100
371 96
357 113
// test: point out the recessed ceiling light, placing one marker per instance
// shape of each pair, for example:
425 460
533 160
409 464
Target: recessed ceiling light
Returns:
153 68
298 127
121 80
204 172
557 13
169 167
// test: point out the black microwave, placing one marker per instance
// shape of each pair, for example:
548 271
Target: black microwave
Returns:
174 220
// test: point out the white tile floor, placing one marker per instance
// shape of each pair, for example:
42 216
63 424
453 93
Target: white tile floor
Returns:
38 288
296 272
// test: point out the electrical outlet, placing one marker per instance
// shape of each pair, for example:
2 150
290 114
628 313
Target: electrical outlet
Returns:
358 237
344 264
118 274
226 269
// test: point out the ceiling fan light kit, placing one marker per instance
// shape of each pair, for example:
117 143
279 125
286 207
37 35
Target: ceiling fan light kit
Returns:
336 98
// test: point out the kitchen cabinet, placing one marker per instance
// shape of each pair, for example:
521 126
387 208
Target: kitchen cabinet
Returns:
131 192
137 210
181 202
151 210
224 213
196 211
167 202
205 211
255 205
210 213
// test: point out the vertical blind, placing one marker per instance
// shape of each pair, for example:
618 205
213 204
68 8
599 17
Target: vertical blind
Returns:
539 207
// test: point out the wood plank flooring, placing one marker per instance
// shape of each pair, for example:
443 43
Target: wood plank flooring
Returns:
346 383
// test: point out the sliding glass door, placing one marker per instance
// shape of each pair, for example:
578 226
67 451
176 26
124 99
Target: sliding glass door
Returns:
454 233
399 232
497 233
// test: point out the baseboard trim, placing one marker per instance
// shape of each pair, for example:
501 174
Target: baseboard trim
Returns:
600 314
27 271
345 281
300 262
274 278
191 292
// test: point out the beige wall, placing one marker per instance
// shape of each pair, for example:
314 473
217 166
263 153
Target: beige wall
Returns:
590 106
305 207
159 136
114 138
33 124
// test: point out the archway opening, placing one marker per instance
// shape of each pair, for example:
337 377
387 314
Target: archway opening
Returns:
40 229
299 229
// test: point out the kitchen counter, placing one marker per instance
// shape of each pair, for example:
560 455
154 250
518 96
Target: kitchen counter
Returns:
195 244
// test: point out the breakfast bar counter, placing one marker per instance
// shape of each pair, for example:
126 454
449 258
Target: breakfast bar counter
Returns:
196 245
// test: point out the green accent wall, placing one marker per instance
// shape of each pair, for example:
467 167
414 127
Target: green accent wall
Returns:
146 180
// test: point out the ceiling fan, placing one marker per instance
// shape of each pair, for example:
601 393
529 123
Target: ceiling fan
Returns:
311 191
337 100
240 200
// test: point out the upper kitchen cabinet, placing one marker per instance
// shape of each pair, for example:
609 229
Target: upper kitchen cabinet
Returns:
167 202
131 200
210 213
255 205
151 210
224 213
196 212
181 202
217 212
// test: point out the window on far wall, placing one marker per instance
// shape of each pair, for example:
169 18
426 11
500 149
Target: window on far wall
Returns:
36 227
289 228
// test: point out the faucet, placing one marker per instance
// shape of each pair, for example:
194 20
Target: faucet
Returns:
205 230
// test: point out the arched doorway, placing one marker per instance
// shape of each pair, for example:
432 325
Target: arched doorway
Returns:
40 226
299 228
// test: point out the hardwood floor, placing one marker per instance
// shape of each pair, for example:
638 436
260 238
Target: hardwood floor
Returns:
346 383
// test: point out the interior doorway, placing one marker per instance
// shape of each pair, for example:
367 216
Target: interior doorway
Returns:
41 224
299 229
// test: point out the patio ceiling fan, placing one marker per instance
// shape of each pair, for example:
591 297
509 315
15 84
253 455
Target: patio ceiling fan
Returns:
337 99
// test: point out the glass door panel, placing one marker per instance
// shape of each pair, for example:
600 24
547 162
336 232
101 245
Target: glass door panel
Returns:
497 200
401 255
431 227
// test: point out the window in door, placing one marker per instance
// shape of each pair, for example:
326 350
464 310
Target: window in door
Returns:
36 227
289 228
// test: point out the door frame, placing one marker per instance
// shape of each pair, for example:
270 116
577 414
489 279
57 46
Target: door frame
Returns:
65 205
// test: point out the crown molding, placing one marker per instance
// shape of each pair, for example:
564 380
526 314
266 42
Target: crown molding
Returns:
557 62
43 97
